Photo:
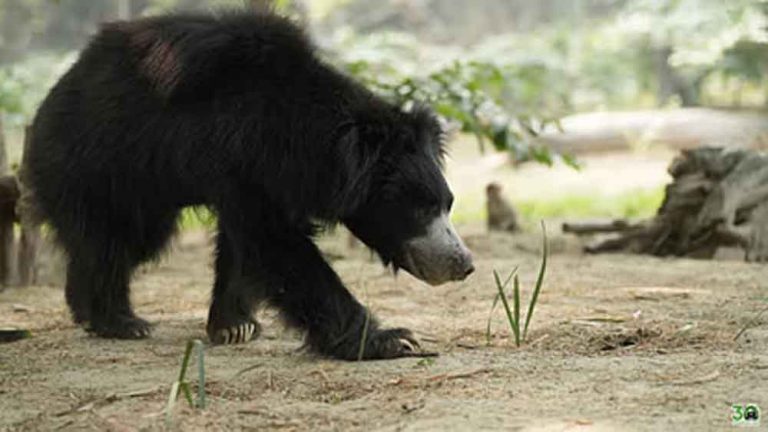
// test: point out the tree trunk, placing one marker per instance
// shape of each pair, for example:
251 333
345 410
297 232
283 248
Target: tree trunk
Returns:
718 197
671 82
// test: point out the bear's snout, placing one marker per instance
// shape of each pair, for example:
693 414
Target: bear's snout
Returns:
439 255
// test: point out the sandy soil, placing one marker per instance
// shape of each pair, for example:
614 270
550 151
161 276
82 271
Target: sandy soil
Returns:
618 343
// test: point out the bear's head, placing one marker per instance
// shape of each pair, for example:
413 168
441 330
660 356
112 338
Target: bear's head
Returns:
403 215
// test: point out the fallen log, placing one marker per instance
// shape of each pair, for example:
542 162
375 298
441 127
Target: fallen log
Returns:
596 227
718 197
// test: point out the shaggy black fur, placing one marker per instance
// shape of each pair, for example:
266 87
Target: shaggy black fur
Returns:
237 113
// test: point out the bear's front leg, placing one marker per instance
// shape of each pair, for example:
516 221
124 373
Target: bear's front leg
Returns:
311 296
277 261
230 319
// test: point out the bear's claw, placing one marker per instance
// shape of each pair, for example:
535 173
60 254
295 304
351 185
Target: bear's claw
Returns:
122 327
237 334
394 343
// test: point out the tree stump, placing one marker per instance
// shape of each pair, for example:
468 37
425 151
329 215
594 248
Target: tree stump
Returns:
718 197
7 216
28 217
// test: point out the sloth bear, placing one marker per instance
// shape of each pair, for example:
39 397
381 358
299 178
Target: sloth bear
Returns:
236 112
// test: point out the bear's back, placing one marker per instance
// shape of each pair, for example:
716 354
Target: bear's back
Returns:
139 78
196 55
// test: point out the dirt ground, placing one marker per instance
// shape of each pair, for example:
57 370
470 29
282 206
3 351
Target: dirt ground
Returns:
618 343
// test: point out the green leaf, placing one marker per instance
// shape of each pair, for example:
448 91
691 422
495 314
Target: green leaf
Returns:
500 136
571 161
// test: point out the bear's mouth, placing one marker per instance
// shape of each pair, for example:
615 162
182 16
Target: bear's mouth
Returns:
438 256
409 264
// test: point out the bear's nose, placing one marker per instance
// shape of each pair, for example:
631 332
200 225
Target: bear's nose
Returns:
466 267
468 271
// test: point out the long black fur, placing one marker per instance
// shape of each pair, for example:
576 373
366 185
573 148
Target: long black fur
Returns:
235 112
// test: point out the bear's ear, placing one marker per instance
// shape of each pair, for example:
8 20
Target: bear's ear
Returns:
429 132
357 158
356 162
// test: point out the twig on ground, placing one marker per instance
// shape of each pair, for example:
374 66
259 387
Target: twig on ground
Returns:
110 398
706 378
458 375
247 369
751 323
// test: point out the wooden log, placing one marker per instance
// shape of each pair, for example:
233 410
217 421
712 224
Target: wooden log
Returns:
596 227
718 197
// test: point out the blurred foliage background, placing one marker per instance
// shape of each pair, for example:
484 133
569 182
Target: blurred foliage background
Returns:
501 70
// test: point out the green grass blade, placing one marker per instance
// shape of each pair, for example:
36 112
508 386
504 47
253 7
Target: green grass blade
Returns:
751 323
512 324
187 393
539 280
171 402
200 374
364 336
493 307
185 361
516 301
490 318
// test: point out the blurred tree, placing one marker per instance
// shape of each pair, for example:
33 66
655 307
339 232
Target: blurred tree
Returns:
462 21
11 92
16 28
687 39
124 9
670 82
536 62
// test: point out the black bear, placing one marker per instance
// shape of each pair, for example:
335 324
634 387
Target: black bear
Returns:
236 112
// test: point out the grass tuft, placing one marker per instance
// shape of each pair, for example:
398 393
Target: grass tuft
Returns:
513 313
539 279
182 385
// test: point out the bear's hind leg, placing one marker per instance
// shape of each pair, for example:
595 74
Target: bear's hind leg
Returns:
100 271
79 295
97 282
230 319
